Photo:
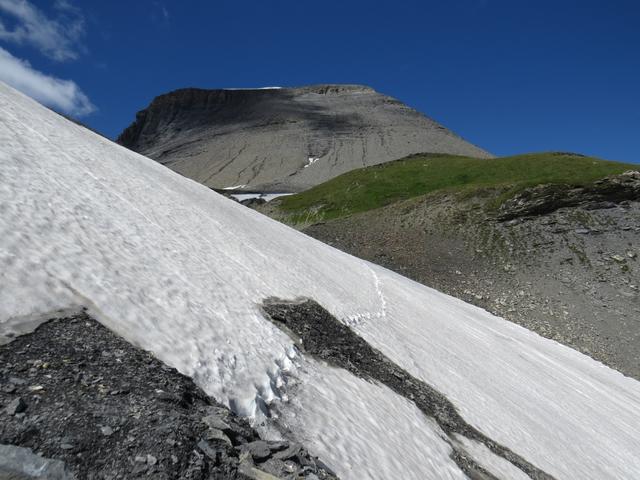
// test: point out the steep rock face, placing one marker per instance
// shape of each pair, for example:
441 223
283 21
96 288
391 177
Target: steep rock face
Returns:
283 139
542 199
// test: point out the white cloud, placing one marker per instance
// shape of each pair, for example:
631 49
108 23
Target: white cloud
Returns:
63 95
57 38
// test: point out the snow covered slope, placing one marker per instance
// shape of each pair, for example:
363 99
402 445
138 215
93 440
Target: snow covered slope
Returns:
181 271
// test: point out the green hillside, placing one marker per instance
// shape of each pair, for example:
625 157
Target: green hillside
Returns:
380 185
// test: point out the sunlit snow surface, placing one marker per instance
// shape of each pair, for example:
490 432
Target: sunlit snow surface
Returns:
180 270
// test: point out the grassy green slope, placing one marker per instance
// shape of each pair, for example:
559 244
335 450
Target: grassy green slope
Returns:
380 185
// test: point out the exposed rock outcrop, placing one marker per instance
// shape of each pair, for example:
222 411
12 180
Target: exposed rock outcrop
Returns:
285 139
320 334
542 199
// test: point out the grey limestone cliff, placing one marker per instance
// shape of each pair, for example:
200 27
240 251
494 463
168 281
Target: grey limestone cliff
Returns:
285 139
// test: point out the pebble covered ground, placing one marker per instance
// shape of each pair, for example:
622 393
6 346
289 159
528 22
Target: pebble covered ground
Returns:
74 392
571 274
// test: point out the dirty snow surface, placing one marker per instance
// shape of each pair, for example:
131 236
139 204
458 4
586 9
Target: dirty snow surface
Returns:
181 271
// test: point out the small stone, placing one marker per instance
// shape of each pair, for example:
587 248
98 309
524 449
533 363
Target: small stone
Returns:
151 460
215 434
617 258
106 431
140 459
10 388
174 459
277 445
290 467
36 388
139 468
214 421
209 450
66 446
16 406
290 452
258 449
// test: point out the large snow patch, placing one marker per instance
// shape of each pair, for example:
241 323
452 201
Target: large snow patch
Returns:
180 270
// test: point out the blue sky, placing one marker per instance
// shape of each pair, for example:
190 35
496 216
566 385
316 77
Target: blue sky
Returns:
510 76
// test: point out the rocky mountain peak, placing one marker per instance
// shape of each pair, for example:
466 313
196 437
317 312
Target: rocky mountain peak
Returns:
283 139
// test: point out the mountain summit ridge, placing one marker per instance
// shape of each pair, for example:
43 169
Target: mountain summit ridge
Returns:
283 139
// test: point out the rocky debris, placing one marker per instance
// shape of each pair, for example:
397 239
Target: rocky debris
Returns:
542 199
320 334
553 274
17 463
285 139
88 400
253 202
259 449
16 406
